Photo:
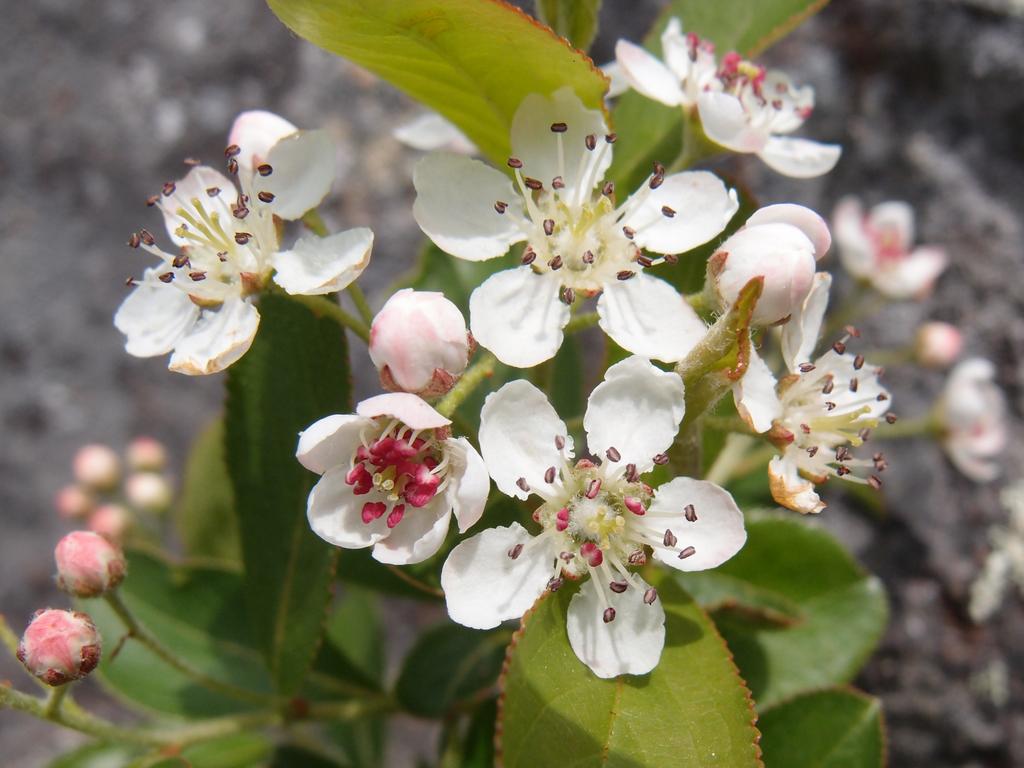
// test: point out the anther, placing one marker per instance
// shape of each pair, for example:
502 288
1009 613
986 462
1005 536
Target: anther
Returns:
875 482
843 471
568 296
197 276
629 232
609 615
661 458
880 463
608 189
858 362
212 191
515 162
232 166
549 475
559 442
130 282
555 583
167 277
558 183
593 489
890 418
152 200
805 429
618 587
854 384
549 227
688 552
637 557
864 434
529 256
611 138
644 261
590 141
523 485
667 212
134 240
650 596
613 454
533 184
634 505
147 237
264 169
829 405
501 206
659 169
625 274
656 181
670 258
806 367
232 150
515 552
559 127
690 513
242 237
853 331
827 389
839 347
842 453
882 397
812 451
562 519
631 474
588 257
566 556
265 197
669 539
239 211
555 263
168 188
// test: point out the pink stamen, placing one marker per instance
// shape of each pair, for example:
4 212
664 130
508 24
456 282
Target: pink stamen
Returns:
395 516
373 510
590 552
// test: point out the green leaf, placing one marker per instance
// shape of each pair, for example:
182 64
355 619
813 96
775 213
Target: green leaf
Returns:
205 515
241 750
837 728
575 20
565 383
419 581
295 373
298 757
842 609
478 746
472 61
98 756
449 665
691 710
354 631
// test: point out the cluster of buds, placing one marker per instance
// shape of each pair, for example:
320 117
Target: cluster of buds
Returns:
109 491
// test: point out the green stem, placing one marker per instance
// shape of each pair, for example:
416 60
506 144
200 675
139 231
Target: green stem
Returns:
728 424
54 701
695 145
755 461
362 305
7 636
724 467
926 426
861 302
324 306
582 321
142 635
482 369
314 222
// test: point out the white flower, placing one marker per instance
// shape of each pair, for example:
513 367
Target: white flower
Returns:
198 301
419 343
780 243
598 519
430 131
972 414
878 248
392 476
579 242
816 413
938 345
741 105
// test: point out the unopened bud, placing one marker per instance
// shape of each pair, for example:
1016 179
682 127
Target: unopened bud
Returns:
110 521
87 564
97 466
60 646
779 244
938 345
73 502
419 343
145 453
148 491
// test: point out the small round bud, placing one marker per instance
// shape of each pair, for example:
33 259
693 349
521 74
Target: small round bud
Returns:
146 454
60 646
110 521
148 491
938 345
419 343
97 466
87 564
73 502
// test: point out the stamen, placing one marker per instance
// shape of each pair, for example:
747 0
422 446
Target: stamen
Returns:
839 347
590 141
593 489
588 257
634 505
197 276
559 442
264 169
618 587
631 474
232 150
613 454
515 162
661 458
515 551
656 181
549 475
854 384
608 189
629 232
212 191
134 240
559 127
688 552
146 236
806 368
549 227
168 188
669 539
650 596
890 418
608 615
529 256
874 482
242 237
637 557
555 263
555 583
690 513
167 277
667 212
500 206
532 183
625 274
858 362
523 485
568 296
265 197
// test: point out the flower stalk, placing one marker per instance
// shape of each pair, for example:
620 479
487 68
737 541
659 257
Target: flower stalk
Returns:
482 369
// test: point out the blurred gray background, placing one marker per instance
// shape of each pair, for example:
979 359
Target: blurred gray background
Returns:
101 101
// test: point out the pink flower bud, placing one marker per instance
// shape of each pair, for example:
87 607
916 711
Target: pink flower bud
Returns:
148 491
73 502
419 343
60 646
938 344
780 244
110 521
87 564
145 453
97 466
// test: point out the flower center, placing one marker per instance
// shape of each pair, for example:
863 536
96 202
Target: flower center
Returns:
397 467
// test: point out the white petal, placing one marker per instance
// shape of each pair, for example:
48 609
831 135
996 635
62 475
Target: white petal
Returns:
676 50
469 484
154 317
197 185
335 513
483 586
303 170
409 409
255 132
647 74
716 535
455 197
618 84
636 410
418 535
788 488
804 219
702 204
330 442
726 123
856 250
800 334
800 158
894 219
430 131
913 276
518 427
219 338
631 644
518 316
317 265
536 145
648 317
755 396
